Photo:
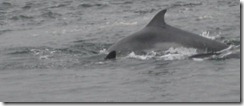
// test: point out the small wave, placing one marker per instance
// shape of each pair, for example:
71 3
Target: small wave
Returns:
88 5
5 31
145 11
184 4
79 48
120 23
18 52
50 14
61 4
28 5
232 41
230 52
126 23
121 2
40 52
43 53
21 17
5 5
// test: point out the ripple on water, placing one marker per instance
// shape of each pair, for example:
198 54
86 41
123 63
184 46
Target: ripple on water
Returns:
46 57
5 5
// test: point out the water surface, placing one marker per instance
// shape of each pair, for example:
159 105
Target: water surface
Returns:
53 51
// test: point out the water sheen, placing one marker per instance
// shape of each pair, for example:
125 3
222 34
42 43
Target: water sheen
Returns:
53 51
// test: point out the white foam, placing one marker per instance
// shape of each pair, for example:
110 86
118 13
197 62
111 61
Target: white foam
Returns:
172 57
149 55
207 35
198 59
205 17
170 54
178 53
103 51
126 23
44 57
43 53
182 50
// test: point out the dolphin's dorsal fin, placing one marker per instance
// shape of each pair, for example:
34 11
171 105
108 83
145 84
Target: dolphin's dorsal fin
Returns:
111 55
158 19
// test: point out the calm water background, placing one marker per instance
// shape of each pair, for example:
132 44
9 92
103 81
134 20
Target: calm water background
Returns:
50 51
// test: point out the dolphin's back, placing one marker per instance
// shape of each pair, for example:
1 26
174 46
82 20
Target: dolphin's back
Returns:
148 37
195 41
172 34
133 42
157 35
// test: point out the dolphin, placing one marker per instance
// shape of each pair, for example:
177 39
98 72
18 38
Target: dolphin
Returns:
158 35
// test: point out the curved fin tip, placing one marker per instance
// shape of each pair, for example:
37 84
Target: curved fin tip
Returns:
158 19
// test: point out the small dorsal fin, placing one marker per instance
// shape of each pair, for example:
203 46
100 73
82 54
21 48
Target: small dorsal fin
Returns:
158 19
111 55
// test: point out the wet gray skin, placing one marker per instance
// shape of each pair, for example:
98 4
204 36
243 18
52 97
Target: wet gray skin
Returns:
158 35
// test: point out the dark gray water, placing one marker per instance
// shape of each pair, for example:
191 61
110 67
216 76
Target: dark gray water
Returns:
53 51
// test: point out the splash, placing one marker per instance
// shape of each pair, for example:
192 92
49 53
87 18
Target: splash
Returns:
43 53
181 53
103 51
170 54
230 52
149 55
232 49
206 34
178 53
